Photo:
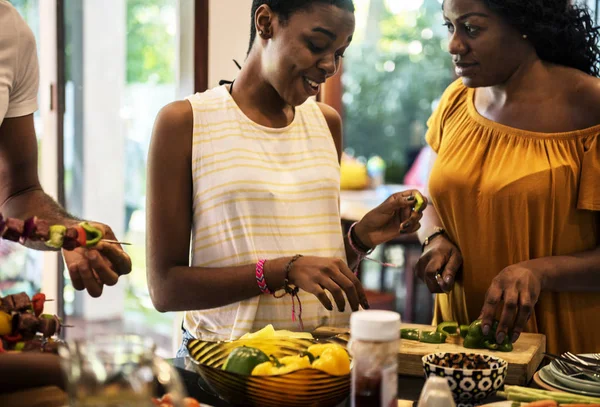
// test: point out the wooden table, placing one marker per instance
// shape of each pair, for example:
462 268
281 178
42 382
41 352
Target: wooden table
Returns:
409 388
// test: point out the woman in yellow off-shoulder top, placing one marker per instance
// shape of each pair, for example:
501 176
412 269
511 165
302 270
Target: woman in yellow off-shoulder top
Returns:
514 229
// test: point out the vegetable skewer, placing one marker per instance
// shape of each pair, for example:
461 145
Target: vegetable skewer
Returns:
55 236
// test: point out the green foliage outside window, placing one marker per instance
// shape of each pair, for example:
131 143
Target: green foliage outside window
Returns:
391 80
150 41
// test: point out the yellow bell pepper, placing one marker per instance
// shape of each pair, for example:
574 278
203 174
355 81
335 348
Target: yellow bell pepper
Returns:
286 364
330 358
5 323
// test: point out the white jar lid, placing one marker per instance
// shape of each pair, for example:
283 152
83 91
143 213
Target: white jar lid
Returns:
375 325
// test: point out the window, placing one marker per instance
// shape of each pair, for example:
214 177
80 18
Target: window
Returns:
396 68
121 61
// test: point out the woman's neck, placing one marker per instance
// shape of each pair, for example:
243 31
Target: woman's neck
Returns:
258 99
528 81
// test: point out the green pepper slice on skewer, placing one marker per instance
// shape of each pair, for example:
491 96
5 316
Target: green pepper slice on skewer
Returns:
93 235
57 236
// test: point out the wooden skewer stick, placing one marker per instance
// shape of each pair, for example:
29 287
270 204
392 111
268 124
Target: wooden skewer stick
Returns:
116 242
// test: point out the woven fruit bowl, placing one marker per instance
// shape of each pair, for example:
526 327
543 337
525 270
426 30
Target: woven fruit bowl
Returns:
306 387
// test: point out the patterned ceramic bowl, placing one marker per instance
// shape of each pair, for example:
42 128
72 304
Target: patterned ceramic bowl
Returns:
472 377
307 387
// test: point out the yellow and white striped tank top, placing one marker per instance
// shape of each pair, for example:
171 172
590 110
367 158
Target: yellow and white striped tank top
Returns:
261 192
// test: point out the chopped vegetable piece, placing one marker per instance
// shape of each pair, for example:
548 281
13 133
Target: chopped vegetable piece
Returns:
81 236
410 334
93 234
433 337
475 339
5 323
57 235
449 328
37 302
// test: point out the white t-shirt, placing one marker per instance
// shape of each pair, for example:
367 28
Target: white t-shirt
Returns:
19 71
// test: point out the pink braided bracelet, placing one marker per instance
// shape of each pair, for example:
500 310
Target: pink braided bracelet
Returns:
260 277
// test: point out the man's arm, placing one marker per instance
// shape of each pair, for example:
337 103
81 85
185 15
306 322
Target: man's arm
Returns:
21 195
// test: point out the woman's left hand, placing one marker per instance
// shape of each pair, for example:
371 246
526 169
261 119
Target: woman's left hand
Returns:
394 216
518 287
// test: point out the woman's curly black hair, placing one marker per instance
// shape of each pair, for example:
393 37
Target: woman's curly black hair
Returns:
561 32
285 8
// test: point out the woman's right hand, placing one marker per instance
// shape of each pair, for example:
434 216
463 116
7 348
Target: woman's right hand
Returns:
439 265
317 274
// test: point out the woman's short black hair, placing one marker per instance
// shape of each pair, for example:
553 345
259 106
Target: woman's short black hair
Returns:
285 8
561 32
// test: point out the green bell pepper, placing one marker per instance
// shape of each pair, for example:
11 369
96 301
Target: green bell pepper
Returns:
433 337
93 235
464 330
450 328
244 359
57 236
475 339
410 334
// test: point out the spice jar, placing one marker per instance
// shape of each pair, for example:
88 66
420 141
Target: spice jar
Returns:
374 343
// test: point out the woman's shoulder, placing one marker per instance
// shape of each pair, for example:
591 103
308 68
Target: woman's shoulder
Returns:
209 98
454 96
583 96
176 115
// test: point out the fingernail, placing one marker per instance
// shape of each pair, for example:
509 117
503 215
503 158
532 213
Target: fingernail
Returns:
500 337
448 279
91 255
410 198
485 330
515 337
406 225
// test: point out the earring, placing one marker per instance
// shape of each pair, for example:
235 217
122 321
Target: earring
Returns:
524 36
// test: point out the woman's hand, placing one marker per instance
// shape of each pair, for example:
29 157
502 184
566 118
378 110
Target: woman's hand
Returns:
317 274
92 268
519 287
394 216
439 264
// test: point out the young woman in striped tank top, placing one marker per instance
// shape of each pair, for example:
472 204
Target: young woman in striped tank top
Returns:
251 171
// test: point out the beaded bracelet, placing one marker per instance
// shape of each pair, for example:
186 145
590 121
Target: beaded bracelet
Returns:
293 291
288 289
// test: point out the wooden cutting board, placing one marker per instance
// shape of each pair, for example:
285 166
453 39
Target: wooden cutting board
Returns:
523 361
